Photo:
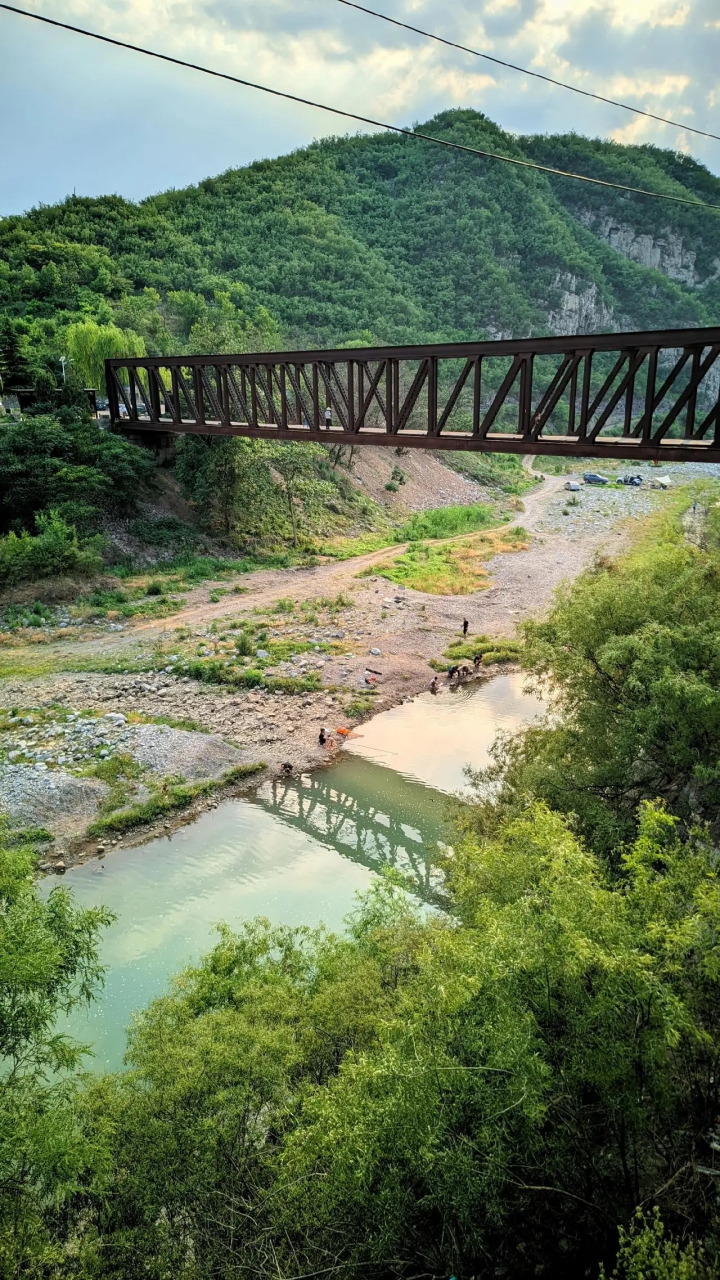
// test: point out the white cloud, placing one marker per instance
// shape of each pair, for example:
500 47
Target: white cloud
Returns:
657 54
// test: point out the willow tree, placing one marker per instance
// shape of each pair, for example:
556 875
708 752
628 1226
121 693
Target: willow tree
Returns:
90 344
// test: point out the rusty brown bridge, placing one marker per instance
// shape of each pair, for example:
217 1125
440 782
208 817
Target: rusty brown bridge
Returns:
649 395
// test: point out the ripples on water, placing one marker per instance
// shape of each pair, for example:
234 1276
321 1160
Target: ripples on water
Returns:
297 851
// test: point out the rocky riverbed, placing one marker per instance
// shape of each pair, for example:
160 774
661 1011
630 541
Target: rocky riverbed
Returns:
339 642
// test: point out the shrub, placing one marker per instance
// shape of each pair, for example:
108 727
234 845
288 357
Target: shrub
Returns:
55 549
244 646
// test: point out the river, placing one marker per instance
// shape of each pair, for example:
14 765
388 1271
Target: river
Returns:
296 851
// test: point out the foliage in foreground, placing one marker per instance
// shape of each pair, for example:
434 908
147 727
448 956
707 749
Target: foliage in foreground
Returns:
428 1096
48 966
630 659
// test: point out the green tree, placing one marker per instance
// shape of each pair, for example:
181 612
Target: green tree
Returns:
629 657
229 482
143 314
297 468
90 344
65 461
48 966
646 1253
15 355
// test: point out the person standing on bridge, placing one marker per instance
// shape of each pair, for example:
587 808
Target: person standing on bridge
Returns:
328 418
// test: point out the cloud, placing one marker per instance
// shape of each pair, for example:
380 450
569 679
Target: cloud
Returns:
130 124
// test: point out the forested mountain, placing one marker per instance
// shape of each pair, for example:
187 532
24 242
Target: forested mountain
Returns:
368 238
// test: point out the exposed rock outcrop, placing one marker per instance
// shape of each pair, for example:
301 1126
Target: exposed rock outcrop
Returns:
666 252
581 309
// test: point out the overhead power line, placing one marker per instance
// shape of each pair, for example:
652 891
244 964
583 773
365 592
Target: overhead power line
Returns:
351 115
537 75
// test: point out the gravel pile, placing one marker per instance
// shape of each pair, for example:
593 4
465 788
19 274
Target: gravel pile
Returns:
41 798
162 750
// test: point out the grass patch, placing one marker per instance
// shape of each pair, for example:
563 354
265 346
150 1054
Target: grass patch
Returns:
27 835
349 548
440 522
501 471
169 797
173 722
196 568
491 648
452 568
481 644
144 601
359 707
33 662
115 768
212 671
447 522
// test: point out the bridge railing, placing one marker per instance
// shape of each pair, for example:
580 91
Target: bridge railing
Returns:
630 395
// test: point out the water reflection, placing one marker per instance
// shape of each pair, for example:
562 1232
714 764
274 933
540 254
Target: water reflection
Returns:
365 812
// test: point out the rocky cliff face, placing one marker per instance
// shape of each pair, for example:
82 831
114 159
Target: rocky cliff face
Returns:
581 309
666 252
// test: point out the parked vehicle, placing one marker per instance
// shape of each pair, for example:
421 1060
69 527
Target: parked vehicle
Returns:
632 480
572 485
592 477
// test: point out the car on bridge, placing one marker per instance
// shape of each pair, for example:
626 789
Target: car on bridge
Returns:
593 477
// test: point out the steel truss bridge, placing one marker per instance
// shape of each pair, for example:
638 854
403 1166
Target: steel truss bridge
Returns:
649 395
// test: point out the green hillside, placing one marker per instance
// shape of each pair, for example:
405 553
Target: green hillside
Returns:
367 238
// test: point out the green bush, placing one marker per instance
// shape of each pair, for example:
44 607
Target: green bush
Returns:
646 1253
55 549
244 645
629 657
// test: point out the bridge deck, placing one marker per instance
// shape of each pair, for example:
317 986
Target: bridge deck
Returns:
649 395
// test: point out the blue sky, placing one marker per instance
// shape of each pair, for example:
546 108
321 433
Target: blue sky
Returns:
79 116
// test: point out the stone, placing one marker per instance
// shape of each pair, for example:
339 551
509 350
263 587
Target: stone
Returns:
375 653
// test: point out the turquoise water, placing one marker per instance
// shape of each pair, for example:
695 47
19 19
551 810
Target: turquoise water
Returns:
297 852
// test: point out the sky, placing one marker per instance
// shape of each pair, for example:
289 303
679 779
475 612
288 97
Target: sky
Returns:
79 116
